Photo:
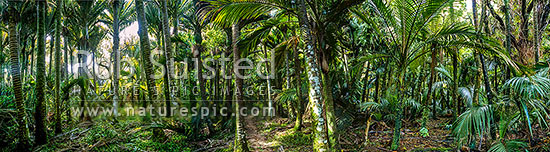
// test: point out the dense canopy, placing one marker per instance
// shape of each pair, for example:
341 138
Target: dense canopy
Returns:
274 75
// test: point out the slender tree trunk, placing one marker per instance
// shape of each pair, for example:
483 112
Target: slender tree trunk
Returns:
320 140
399 111
298 85
508 35
22 130
241 144
52 44
197 50
145 51
270 112
329 111
32 58
168 57
116 43
455 83
365 96
66 56
58 67
40 129
377 87
429 98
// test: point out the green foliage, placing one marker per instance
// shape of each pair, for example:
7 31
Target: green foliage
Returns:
295 139
424 132
472 124
508 146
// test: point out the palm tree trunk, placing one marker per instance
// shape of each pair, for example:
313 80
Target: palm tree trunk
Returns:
145 45
320 140
241 144
365 95
298 85
399 110
58 67
329 111
270 112
40 129
432 80
116 68
50 64
197 50
22 130
168 57
455 83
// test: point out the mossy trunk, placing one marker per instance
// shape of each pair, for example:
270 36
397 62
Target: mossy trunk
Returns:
320 140
40 130
399 112
329 110
58 67
298 85
116 42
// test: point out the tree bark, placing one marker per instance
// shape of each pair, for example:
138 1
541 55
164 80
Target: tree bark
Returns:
40 130
320 140
116 43
22 130
298 85
58 67
241 144
145 46
167 46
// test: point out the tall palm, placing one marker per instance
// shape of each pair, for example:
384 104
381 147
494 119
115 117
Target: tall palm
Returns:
193 21
116 43
120 15
145 46
409 39
22 130
83 17
39 116
58 29
241 144
167 46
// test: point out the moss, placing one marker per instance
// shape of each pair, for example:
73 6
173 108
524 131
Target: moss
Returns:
295 140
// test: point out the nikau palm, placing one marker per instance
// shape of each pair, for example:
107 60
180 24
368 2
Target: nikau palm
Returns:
40 131
22 131
429 69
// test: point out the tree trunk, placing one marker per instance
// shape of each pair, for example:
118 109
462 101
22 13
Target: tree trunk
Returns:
399 111
455 83
22 130
320 140
365 96
241 144
270 112
298 85
116 43
168 57
145 52
58 67
429 98
40 130
197 50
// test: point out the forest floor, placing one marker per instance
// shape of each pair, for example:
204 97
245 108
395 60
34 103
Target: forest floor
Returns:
276 134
